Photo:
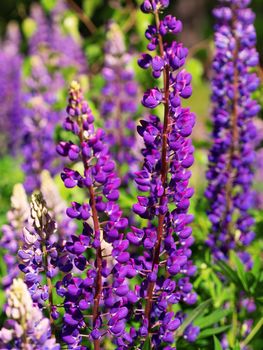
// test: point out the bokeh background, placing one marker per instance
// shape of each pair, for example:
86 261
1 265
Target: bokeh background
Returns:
86 23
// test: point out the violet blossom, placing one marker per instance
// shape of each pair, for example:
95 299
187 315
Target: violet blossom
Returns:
232 156
37 251
12 233
165 264
11 113
43 89
101 288
120 101
50 34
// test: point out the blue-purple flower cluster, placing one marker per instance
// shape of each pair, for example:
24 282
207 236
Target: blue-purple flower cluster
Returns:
12 233
232 155
104 291
36 251
51 52
165 263
11 115
50 34
120 102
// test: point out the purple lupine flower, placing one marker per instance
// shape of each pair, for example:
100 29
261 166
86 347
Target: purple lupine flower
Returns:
19 223
119 105
26 327
51 51
37 252
165 264
38 130
49 34
232 155
103 288
69 47
17 217
11 113
259 161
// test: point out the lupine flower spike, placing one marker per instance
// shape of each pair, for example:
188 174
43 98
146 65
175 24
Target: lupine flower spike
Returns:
26 327
103 293
165 265
50 52
11 112
120 103
18 218
36 252
232 155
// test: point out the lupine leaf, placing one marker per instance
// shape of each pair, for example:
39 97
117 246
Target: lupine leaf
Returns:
256 269
211 319
147 344
237 346
217 344
240 271
198 311
230 273
211 331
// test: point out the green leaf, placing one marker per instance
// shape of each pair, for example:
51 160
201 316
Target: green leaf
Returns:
260 299
147 344
217 344
90 6
211 331
256 269
240 270
237 346
48 4
198 311
230 273
211 319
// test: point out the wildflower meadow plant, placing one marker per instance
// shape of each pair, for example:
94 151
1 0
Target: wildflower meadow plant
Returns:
232 156
104 289
101 249
12 233
43 88
10 81
120 94
165 263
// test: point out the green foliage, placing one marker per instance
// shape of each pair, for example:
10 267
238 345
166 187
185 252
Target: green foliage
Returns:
10 175
217 344
216 312
212 318
48 5
192 316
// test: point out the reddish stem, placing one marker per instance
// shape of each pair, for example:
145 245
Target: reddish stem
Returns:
98 261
